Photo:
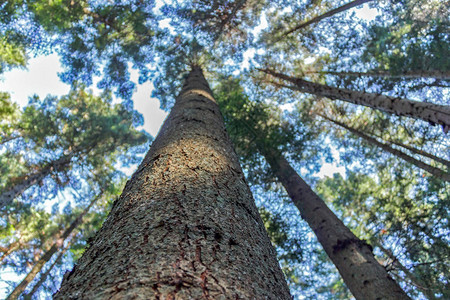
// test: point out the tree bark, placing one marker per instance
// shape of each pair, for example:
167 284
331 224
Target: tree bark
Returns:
16 190
49 253
433 113
185 226
326 15
426 167
44 276
436 74
353 258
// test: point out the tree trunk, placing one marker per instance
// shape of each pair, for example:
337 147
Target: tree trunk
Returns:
414 280
433 113
354 259
426 167
185 226
48 255
423 153
326 15
436 74
10 249
44 276
17 189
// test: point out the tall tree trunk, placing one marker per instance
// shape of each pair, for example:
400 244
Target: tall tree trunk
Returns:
185 226
44 276
49 253
426 167
414 280
354 259
326 15
7 196
10 249
423 153
436 74
433 113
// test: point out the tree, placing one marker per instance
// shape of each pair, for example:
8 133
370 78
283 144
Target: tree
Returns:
69 232
433 170
385 209
433 113
71 133
189 199
107 38
325 15
353 257
363 275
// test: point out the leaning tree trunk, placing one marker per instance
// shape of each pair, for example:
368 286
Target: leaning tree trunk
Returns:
418 163
48 255
353 258
10 249
44 276
326 15
17 189
433 113
435 74
186 225
423 153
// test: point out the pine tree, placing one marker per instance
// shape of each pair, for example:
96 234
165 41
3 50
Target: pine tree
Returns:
433 113
187 223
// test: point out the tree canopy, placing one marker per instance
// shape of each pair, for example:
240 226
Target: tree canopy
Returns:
314 81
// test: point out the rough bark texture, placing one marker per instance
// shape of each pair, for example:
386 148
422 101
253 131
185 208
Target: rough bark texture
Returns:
327 15
185 226
436 74
44 276
49 253
426 167
16 190
433 113
363 275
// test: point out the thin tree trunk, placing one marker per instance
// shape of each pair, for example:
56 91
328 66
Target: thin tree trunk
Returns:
414 280
49 253
433 113
10 249
186 225
44 276
6 139
17 189
426 167
385 74
326 15
354 259
423 153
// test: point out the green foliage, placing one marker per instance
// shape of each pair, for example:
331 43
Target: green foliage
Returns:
11 55
381 199
88 130
403 214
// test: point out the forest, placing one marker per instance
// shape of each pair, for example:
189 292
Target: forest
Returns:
230 200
